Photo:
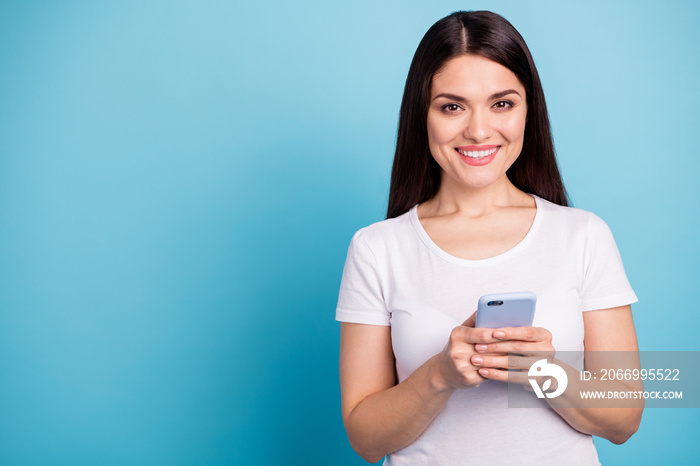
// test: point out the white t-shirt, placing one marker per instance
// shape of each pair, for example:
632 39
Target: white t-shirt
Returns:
396 275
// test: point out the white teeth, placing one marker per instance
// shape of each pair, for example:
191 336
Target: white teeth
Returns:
477 154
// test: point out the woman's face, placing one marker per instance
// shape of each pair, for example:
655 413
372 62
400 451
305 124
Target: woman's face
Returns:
476 121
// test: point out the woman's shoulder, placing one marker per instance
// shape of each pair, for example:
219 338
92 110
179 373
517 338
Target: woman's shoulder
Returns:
561 212
386 230
571 217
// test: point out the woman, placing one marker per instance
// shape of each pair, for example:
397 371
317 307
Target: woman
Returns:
476 206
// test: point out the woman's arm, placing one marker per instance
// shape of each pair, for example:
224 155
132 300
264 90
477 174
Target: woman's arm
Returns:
381 416
606 330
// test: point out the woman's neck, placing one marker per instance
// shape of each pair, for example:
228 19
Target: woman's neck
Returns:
453 198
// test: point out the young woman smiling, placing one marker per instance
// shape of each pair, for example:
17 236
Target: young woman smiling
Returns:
476 206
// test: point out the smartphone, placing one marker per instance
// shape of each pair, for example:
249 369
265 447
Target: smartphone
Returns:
506 310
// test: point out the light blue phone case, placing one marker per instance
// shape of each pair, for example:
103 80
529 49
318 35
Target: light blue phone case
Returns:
506 310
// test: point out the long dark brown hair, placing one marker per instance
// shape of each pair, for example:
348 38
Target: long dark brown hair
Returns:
415 176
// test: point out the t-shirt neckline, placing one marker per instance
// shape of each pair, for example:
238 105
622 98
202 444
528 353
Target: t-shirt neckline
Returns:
413 214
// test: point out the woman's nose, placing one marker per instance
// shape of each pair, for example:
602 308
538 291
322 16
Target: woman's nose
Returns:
477 127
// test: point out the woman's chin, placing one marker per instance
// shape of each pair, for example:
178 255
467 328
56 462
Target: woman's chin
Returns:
478 182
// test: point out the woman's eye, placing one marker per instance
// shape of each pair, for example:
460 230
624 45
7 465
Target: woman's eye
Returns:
450 108
503 104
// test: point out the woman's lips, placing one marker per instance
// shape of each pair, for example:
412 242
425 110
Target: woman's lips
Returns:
478 155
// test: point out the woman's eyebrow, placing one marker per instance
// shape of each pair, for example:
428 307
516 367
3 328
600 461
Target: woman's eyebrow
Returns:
501 94
495 96
454 97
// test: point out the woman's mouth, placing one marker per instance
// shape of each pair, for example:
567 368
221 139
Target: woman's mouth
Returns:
478 155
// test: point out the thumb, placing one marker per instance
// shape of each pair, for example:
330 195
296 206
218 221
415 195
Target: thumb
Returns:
471 321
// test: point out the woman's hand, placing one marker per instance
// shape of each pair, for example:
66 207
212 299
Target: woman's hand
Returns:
526 345
455 363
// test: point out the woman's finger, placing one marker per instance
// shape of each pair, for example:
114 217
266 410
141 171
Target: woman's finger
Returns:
471 321
515 347
522 334
512 362
473 335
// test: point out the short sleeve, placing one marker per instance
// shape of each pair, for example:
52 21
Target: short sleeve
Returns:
361 299
605 284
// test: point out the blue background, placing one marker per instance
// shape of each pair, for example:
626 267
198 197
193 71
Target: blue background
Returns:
179 182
